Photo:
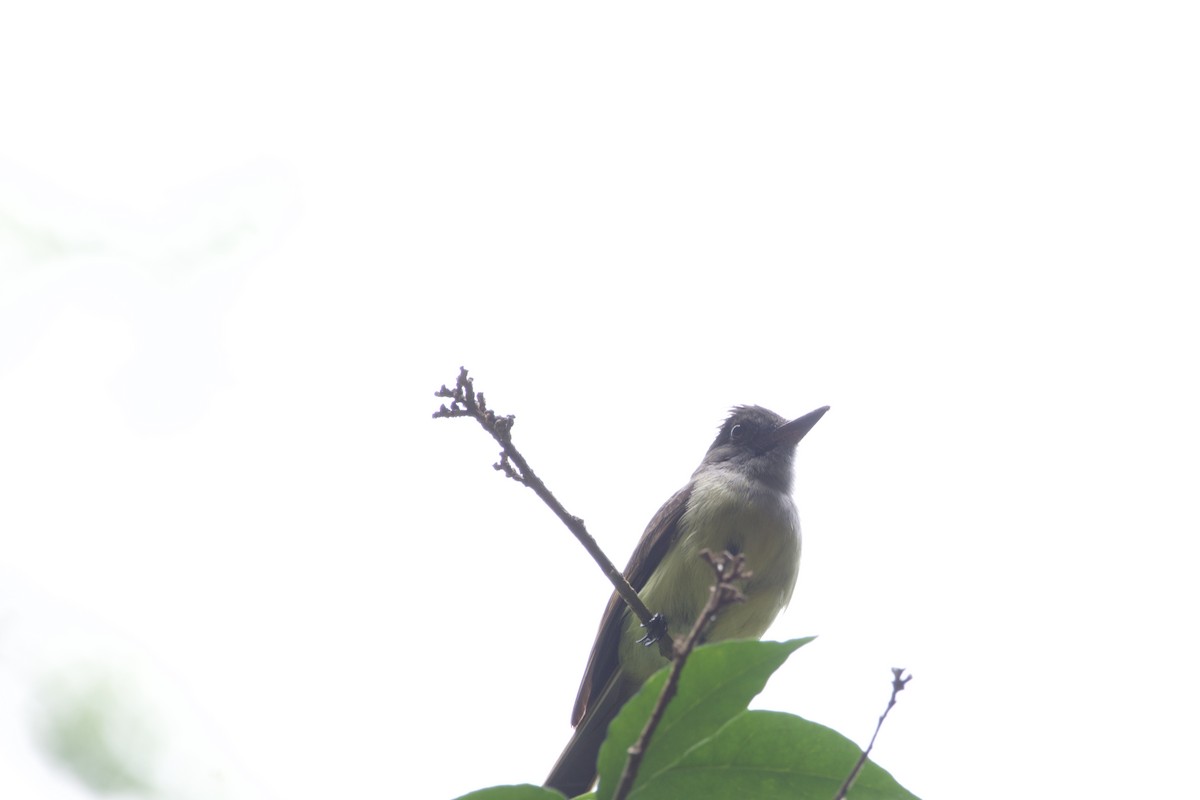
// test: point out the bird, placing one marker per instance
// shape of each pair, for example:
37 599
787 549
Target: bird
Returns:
738 500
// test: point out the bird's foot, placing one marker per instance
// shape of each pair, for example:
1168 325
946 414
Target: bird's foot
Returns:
654 630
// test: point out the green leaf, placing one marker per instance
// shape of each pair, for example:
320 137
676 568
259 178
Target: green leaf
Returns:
718 682
525 791
768 755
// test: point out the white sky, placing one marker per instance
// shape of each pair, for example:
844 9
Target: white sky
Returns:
242 243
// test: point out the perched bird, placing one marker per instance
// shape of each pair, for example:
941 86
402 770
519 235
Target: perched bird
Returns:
739 499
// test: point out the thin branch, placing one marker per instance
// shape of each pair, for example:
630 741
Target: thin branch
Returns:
466 402
899 680
727 568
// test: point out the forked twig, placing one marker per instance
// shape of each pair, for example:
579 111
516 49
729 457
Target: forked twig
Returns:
727 568
899 680
466 402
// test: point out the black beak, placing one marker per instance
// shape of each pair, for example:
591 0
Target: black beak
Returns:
790 433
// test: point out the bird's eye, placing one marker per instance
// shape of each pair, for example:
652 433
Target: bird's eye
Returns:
735 433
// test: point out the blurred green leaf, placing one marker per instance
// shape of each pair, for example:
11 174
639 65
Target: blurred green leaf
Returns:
93 724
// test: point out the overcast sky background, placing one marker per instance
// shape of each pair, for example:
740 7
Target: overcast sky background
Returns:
241 244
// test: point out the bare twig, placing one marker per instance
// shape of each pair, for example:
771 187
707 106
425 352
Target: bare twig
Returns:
727 568
899 680
466 402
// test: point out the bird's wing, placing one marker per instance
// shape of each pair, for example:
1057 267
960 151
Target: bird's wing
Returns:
656 540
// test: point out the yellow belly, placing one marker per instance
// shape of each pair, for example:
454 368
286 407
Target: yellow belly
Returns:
725 512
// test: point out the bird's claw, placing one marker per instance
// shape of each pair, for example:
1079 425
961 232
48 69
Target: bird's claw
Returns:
654 630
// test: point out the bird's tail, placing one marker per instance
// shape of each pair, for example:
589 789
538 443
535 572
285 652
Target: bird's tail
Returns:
575 771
